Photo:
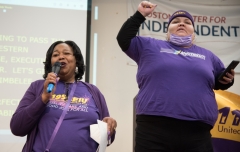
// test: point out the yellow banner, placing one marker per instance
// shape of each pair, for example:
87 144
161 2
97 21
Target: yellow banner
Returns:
227 125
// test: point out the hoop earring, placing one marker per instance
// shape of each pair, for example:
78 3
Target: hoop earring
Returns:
76 70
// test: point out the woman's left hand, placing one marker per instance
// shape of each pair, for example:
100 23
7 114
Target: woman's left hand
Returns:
111 124
228 77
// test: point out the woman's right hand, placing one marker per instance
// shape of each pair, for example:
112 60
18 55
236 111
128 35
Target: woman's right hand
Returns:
51 78
146 8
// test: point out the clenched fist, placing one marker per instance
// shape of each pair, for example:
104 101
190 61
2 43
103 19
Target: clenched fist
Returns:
146 8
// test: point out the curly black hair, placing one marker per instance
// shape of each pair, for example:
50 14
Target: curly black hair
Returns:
76 52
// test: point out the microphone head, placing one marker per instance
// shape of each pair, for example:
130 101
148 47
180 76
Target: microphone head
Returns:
57 64
56 67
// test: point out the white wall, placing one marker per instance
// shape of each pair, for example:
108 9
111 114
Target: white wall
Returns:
115 78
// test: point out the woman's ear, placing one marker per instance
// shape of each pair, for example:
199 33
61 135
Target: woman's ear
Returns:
194 37
167 36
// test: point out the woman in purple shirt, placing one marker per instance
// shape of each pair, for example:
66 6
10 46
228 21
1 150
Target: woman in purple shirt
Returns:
175 105
59 119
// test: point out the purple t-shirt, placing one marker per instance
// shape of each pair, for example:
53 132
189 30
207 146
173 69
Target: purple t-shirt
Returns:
74 132
173 81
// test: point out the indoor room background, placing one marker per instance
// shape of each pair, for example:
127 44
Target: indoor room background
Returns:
107 66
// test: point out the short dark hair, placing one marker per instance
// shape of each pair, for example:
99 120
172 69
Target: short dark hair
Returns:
76 52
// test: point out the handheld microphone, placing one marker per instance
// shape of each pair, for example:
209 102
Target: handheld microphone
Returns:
56 68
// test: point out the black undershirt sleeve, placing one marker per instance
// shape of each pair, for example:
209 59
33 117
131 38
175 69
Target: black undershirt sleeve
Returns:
221 86
129 30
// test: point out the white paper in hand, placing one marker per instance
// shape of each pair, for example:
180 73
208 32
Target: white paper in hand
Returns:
98 132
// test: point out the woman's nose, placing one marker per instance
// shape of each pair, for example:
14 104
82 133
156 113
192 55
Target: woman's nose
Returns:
61 56
181 24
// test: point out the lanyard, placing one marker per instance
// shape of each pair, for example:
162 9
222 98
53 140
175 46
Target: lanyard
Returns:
61 118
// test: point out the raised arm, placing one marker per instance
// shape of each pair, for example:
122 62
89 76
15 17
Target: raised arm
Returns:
130 28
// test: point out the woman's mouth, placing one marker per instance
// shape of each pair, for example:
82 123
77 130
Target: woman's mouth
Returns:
63 64
181 29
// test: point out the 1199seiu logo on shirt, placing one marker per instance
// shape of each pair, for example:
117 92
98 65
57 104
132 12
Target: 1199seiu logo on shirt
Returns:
77 104
179 52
